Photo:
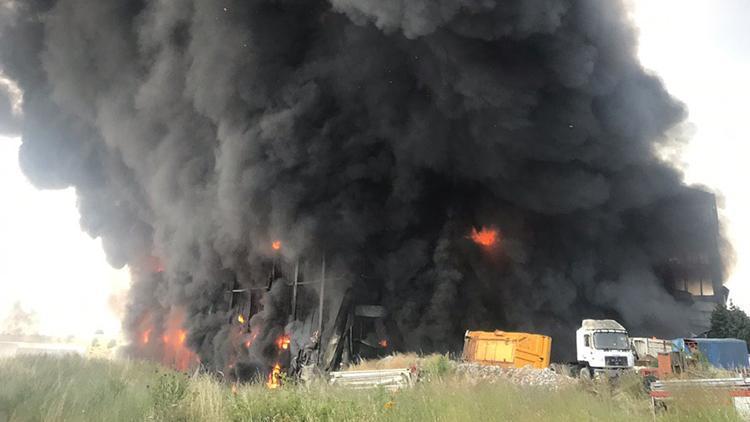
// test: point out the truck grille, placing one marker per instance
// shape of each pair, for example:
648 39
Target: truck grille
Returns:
616 360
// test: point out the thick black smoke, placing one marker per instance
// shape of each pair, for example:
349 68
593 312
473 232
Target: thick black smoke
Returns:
378 131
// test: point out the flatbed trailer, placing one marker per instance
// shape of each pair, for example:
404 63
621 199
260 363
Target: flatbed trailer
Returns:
389 379
737 391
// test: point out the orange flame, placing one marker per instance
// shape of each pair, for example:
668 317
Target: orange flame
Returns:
484 237
155 264
172 350
249 341
145 336
241 319
175 352
274 378
283 342
276 245
383 343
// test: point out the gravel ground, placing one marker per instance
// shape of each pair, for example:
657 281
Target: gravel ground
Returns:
520 376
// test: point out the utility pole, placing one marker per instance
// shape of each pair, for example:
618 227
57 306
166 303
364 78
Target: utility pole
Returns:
294 291
320 299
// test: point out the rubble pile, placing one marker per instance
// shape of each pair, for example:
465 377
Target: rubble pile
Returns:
526 376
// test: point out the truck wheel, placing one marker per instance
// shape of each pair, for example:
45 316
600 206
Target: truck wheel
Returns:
584 373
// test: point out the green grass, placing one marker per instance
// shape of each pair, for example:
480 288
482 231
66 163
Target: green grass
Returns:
51 389
75 389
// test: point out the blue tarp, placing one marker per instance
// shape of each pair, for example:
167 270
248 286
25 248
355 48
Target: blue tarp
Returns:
728 353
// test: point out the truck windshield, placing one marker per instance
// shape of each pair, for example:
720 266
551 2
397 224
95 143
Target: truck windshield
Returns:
617 341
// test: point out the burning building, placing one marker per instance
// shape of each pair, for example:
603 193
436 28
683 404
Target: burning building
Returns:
459 163
690 263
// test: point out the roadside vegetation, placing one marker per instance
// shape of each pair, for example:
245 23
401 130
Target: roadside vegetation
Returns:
730 322
77 389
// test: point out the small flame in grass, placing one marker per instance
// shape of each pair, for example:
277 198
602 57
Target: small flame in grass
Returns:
241 319
274 378
383 343
276 245
234 388
484 237
283 342
181 336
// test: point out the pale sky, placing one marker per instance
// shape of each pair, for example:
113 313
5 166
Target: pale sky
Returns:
48 264
701 49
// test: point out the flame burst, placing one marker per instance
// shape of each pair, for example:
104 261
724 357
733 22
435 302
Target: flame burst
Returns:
240 319
175 353
486 237
383 343
274 378
172 350
283 342
276 245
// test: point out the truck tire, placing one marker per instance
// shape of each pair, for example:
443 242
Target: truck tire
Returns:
585 373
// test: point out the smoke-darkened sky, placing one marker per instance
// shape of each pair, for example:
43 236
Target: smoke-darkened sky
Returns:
383 105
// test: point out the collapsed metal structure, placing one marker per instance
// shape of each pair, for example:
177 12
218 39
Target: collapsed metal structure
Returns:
337 330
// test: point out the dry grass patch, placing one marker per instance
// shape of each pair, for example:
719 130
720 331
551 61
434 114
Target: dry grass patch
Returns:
74 389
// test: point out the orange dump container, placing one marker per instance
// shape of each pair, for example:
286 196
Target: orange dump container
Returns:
507 349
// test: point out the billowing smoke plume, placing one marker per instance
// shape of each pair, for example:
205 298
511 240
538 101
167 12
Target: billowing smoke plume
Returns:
380 132
8 118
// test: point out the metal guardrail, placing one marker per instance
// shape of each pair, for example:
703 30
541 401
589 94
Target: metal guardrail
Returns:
732 383
390 379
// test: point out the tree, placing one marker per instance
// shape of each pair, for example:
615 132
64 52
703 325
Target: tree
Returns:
19 321
730 322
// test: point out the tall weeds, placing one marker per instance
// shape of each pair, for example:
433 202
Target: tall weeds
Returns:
75 389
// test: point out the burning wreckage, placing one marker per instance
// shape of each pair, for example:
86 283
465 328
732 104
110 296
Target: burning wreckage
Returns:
321 334
460 165
314 331
311 341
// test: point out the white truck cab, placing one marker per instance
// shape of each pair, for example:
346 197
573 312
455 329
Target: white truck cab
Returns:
602 346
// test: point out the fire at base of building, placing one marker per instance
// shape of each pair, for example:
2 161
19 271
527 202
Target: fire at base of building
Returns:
292 313
323 325
683 230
